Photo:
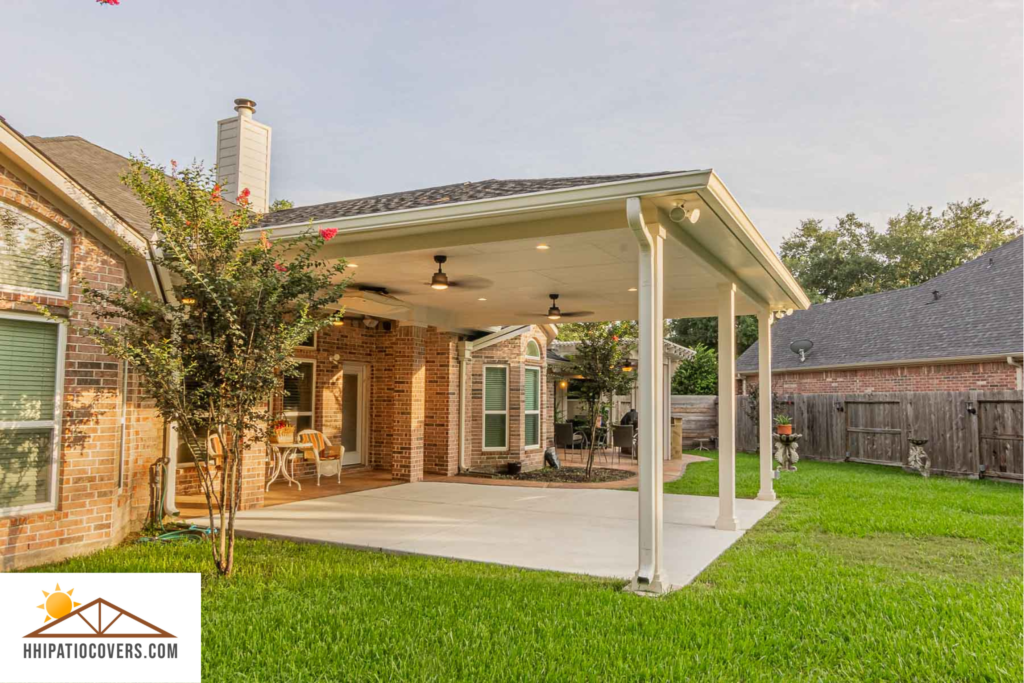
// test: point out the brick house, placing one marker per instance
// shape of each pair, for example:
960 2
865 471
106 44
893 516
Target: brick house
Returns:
439 366
959 331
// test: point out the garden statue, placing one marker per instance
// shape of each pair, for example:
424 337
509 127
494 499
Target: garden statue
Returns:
785 451
918 459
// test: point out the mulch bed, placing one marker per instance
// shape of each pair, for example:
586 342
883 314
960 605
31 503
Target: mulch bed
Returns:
570 475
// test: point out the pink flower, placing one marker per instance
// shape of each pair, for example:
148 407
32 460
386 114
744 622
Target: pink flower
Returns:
243 197
279 267
174 165
109 2
328 233
215 194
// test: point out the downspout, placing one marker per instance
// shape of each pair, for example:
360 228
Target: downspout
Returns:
465 353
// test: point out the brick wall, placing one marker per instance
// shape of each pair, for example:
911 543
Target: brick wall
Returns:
93 510
510 353
952 377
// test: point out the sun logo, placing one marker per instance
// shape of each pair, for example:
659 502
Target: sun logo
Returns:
58 603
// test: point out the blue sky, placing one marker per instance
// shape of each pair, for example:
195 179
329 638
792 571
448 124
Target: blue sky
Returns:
805 109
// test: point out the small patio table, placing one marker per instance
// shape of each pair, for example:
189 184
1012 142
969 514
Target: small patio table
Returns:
702 444
281 453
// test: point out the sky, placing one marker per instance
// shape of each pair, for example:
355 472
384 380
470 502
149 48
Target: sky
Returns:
804 109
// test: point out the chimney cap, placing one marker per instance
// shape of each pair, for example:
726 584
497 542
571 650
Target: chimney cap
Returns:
245 103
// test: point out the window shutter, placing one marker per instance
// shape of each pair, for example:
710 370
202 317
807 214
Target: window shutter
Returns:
532 403
495 388
31 256
28 370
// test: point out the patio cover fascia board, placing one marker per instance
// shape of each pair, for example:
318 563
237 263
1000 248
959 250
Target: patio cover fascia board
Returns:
73 199
555 212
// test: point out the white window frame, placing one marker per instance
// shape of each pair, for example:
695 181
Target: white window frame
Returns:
64 264
527 352
532 412
312 408
54 424
483 436
122 446
300 346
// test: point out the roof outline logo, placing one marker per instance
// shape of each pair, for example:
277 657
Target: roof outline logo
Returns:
99 629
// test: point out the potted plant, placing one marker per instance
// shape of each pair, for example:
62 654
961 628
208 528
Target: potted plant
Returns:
783 425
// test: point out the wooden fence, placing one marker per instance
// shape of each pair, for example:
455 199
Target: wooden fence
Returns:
970 433
699 415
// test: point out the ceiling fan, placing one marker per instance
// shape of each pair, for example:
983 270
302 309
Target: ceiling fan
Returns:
556 313
440 281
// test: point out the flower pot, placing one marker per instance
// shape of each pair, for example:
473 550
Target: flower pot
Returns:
515 467
783 429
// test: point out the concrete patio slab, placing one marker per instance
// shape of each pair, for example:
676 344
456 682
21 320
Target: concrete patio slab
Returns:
585 531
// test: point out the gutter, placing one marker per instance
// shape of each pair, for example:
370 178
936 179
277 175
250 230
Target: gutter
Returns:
949 360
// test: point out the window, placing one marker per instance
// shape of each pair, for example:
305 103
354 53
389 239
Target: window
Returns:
495 407
31 380
33 256
299 402
308 343
122 427
532 406
533 350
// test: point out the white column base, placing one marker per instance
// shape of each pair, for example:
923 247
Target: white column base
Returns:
727 524
657 586
766 495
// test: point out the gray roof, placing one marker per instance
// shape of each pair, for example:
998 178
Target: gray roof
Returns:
979 312
99 171
443 194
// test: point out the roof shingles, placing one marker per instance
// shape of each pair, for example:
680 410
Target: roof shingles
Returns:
978 312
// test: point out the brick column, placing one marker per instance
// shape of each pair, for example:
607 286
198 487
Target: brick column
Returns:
441 426
408 401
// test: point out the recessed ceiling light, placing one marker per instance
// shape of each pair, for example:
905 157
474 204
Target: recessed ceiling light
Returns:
632 289
482 299
543 247
353 265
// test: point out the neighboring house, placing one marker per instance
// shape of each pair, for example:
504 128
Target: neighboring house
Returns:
959 331
416 381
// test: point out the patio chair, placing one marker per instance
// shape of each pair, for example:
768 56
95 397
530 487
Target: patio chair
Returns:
568 438
623 437
326 456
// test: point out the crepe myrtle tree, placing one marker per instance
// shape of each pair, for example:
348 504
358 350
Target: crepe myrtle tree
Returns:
214 357
599 360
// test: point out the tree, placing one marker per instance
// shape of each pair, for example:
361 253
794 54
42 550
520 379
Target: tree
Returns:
697 376
852 258
623 329
281 205
836 263
213 360
600 355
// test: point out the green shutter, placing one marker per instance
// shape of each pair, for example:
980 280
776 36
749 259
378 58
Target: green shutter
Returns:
25 466
532 429
28 370
31 256
494 430
495 388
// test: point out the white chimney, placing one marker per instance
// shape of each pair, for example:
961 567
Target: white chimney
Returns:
243 156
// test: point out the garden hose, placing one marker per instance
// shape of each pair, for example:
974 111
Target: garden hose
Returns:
181 531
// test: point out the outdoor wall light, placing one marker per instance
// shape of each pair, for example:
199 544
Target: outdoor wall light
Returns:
370 323
337 322
680 213
971 409
563 384
188 301
440 280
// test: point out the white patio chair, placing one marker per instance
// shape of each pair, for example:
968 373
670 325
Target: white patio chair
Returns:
327 457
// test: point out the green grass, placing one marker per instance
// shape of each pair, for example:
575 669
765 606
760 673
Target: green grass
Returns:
861 573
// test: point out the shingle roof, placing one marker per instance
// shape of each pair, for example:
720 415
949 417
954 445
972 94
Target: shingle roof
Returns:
979 312
443 194
99 171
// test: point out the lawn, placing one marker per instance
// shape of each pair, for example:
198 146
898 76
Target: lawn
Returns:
861 573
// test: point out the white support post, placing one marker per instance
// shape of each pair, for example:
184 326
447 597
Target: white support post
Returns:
764 408
650 577
727 408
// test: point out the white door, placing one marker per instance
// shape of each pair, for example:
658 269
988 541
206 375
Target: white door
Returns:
353 413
